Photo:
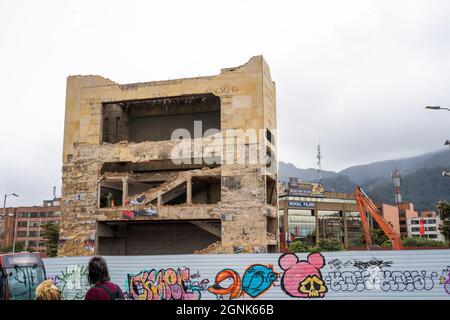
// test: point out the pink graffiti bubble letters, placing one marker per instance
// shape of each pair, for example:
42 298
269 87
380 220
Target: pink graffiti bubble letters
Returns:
165 284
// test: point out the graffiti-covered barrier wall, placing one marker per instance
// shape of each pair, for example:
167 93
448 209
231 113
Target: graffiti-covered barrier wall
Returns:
422 274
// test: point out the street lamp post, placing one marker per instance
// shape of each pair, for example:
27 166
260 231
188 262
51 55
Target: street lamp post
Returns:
437 108
4 201
15 218
447 142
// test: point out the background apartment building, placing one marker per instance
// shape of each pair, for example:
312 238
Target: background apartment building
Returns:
396 215
26 223
431 222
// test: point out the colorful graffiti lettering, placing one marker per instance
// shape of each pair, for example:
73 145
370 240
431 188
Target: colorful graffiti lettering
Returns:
165 284
294 277
368 280
89 245
371 263
257 249
387 280
445 279
139 200
362 265
303 279
256 280
233 289
73 282
132 214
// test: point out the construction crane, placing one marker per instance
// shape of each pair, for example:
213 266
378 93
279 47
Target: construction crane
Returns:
366 204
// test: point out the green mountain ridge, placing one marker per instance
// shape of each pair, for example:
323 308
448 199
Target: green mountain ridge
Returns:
422 182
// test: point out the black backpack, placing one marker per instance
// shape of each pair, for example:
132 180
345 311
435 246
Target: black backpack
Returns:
112 295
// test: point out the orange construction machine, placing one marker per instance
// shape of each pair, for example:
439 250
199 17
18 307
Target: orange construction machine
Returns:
365 204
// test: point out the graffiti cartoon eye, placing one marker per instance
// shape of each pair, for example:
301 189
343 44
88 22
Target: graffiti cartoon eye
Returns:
316 286
307 286
273 277
138 287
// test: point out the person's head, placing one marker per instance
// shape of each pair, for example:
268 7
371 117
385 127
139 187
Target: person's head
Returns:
47 291
97 270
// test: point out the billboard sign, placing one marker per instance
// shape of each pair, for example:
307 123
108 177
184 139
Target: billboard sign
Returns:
293 182
301 204
306 189
299 192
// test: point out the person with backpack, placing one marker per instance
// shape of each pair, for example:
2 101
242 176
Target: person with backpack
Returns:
102 287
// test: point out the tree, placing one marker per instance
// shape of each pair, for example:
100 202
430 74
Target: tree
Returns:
422 242
378 237
444 214
51 235
20 246
299 246
324 245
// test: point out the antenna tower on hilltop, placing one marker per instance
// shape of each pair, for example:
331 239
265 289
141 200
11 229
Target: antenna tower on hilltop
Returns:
396 178
319 163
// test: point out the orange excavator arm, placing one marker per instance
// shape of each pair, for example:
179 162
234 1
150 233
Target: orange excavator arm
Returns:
366 204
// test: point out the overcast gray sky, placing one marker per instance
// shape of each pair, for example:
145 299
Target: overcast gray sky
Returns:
359 72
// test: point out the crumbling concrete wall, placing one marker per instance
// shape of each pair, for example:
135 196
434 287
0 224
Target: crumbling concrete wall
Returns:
247 101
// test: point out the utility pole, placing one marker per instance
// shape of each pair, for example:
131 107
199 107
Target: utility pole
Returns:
319 163
447 142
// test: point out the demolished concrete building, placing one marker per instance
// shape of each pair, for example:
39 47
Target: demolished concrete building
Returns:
161 167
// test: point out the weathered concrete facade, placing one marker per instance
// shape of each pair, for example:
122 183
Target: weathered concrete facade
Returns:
119 144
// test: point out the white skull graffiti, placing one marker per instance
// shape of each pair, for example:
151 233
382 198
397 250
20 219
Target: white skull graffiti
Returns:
73 283
373 282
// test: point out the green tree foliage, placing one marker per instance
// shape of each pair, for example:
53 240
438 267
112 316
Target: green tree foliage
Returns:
51 234
299 246
324 245
444 214
20 246
378 238
422 242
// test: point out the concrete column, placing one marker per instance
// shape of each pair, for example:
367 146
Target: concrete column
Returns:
189 190
99 183
96 238
316 215
159 199
286 217
285 220
124 190
344 218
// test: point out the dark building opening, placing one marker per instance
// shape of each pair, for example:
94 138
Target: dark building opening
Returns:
155 237
176 195
206 190
271 191
155 166
272 225
110 194
156 119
